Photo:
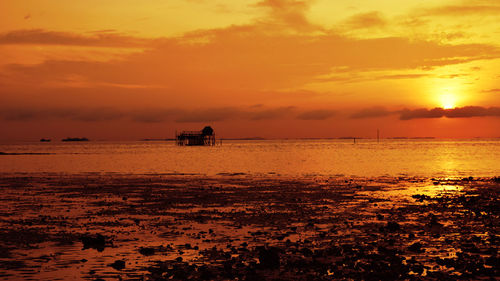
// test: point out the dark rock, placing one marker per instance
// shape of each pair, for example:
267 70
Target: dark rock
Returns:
392 226
493 261
281 237
417 268
416 247
97 242
147 251
307 252
421 197
269 257
433 222
206 273
118 265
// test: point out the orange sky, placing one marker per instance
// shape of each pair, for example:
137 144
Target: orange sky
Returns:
135 69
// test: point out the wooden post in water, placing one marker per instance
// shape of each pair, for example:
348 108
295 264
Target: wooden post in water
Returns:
354 140
378 135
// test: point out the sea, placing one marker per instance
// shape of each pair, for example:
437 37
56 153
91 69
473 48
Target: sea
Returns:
438 158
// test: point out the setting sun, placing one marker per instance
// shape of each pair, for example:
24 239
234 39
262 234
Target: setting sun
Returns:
449 93
448 101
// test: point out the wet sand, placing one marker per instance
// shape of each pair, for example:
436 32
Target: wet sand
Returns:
239 227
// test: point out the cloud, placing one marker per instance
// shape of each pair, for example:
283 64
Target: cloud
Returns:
208 115
253 58
147 115
288 13
75 114
21 114
218 114
495 91
103 31
318 114
273 113
402 76
372 112
461 10
472 111
105 38
366 20
254 113
407 114
154 115
459 112
97 114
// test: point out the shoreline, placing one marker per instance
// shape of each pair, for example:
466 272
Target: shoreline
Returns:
105 226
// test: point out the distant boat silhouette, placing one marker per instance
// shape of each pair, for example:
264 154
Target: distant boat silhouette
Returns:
44 140
75 139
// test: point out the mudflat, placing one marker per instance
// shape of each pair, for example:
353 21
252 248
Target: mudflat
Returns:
242 227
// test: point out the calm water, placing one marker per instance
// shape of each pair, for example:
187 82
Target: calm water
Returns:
430 158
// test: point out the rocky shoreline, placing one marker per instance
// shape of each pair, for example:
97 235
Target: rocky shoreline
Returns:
178 227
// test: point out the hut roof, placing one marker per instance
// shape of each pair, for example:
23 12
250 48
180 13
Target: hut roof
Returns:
207 131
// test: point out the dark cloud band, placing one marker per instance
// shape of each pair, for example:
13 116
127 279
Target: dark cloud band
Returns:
459 112
253 113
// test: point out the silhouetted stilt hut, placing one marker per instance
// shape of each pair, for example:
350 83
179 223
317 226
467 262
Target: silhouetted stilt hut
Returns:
203 137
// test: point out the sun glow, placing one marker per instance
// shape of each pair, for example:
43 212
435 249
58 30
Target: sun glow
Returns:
449 94
448 101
